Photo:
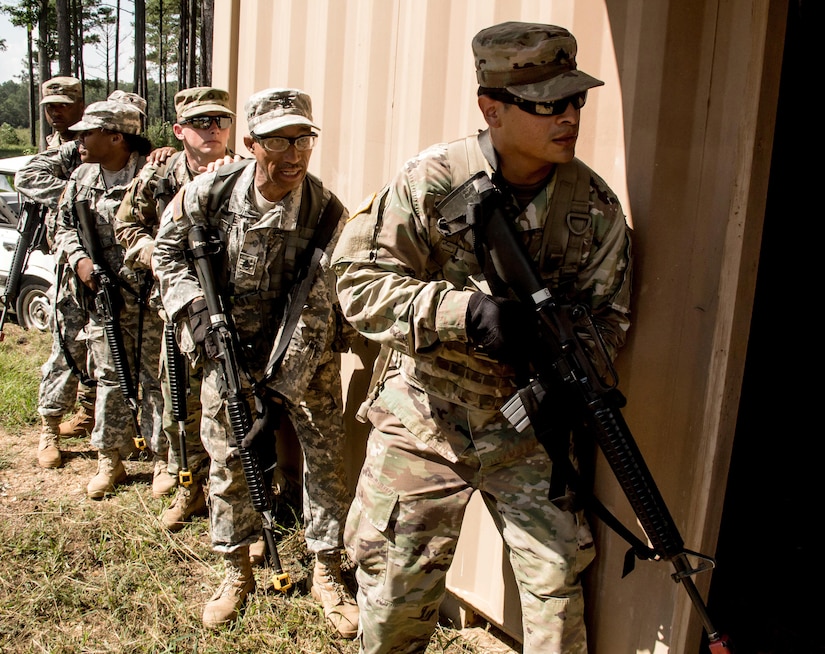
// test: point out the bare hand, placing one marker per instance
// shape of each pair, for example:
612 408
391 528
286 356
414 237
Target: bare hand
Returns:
214 165
160 155
85 269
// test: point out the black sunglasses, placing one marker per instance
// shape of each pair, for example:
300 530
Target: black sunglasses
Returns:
205 122
553 108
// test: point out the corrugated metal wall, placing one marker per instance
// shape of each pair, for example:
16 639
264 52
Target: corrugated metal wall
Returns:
390 77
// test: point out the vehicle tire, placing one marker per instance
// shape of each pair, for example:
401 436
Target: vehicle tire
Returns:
34 307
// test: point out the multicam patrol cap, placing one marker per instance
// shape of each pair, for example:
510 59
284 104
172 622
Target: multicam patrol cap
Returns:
62 90
530 60
200 100
129 98
269 110
123 117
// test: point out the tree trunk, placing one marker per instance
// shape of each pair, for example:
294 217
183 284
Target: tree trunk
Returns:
184 30
44 65
80 69
141 82
117 44
191 46
64 46
32 89
207 27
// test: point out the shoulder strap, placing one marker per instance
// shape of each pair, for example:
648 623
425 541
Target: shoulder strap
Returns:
222 185
568 222
307 264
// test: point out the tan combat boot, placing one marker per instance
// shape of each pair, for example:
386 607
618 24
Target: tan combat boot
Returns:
82 422
110 472
163 483
48 450
224 606
189 501
328 587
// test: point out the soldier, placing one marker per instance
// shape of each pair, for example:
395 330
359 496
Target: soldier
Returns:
64 379
62 98
204 118
113 152
264 226
412 281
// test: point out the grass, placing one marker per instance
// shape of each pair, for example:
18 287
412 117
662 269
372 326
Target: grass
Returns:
78 575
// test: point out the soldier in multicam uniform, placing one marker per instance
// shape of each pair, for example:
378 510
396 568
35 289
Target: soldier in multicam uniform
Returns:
203 121
113 151
438 434
267 223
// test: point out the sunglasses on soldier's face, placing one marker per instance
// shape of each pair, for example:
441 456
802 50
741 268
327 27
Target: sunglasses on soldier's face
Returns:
542 108
205 122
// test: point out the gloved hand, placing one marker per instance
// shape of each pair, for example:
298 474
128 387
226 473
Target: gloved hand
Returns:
199 322
503 329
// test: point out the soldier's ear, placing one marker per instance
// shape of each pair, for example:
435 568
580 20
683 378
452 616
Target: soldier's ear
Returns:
490 109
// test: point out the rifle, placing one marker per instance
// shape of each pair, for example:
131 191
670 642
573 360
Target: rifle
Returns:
32 230
176 372
107 305
562 365
201 249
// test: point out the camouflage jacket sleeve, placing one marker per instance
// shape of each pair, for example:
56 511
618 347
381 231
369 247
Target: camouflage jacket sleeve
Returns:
388 286
68 246
44 177
178 281
136 221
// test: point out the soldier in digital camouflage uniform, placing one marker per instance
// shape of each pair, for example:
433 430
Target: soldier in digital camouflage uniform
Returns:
438 433
62 99
112 151
203 122
63 382
270 217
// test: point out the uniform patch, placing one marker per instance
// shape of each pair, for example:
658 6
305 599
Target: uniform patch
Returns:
246 264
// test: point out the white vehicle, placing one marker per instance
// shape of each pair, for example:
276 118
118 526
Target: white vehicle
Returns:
33 305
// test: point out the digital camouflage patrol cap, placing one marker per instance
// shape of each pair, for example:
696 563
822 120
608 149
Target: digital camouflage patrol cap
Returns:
122 117
129 98
61 90
200 100
269 110
530 60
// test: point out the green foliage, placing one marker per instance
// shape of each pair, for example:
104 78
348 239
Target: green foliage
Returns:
14 103
160 133
8 135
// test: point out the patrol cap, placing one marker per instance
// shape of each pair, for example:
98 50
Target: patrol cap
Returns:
201 100
530 60
269 110
129 98
123 117
63 90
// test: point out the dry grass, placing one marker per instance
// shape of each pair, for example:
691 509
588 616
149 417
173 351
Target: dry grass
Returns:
78 575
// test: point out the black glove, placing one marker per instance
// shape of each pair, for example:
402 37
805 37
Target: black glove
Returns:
503 329
199 322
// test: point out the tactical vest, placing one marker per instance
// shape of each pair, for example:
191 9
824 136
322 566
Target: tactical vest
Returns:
452 371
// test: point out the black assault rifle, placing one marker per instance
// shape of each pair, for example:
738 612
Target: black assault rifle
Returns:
107 304
201 248
562 365
176 372
32 230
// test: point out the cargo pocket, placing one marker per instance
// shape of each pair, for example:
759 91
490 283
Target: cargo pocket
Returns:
367 532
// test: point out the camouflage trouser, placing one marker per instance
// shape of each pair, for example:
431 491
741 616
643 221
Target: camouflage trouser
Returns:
114 428
197 460
59 383
403 526
318 423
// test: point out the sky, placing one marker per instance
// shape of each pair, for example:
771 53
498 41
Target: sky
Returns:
13 58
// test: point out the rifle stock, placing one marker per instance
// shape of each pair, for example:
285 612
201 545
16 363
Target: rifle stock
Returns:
237 408
107 304
32 230
565 363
